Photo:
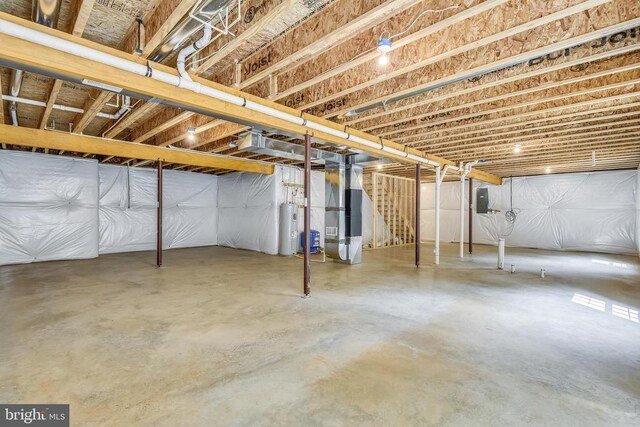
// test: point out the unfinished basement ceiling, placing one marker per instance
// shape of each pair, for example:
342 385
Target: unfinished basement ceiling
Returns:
525 87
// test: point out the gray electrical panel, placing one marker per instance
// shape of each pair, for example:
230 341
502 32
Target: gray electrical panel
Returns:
482 200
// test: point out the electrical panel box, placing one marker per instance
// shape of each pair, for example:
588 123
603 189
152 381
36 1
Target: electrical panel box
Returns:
482 200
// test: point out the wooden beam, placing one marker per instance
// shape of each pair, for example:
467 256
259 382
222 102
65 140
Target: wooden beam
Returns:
511 119
133 115
43 57
545 82
53 94
339 21
95 102
158 125
323 29
247 32
165 18
614 105
515 136
516 33
475 110
81 12
157 20
27 137
488 58
616 17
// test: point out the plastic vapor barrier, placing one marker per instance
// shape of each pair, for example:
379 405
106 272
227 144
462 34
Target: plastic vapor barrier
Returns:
596 212
293 175
248 211
128 209
48 207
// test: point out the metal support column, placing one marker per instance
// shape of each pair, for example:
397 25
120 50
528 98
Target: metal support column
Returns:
159 231
437 242
417 229
307 213
470 215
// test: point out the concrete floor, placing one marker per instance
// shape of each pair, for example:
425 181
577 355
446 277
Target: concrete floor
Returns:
221 337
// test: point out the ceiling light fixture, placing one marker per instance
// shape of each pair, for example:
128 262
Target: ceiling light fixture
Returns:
517 148
547 170
379 167
384 46
191 133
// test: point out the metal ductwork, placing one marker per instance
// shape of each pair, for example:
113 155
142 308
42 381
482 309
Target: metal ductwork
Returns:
46 12
43 12
203 11
343 212
343 191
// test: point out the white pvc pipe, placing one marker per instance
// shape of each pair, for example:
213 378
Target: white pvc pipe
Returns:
192 48
462 178
437 243
79 50
501 254
466 170
55 106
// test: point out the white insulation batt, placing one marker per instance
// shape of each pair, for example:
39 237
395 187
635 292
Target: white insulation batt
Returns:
128 209
597 212
48 207
249 207
248 211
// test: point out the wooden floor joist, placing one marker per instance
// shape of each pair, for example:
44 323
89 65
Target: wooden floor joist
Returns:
509 82
57 61
67 142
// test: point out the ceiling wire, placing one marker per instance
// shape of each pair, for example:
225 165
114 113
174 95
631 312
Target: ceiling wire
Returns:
424 12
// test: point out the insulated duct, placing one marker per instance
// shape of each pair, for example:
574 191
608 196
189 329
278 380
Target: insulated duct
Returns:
43 12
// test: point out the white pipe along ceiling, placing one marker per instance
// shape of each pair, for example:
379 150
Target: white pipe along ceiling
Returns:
53 42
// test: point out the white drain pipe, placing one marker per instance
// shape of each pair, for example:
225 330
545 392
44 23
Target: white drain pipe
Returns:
466 170
194 47
439 179
79 50
28 101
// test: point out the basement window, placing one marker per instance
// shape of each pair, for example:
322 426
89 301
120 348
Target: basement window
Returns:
594 303
625 313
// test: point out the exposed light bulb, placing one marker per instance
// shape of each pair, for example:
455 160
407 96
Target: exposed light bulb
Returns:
383 59
547 170
517 148
379 167
191 133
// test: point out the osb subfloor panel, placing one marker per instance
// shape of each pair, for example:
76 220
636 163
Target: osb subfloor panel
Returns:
221 337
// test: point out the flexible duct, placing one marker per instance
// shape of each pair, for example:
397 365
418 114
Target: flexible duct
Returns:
76 49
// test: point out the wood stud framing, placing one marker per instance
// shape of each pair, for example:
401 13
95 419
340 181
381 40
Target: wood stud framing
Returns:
559 78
